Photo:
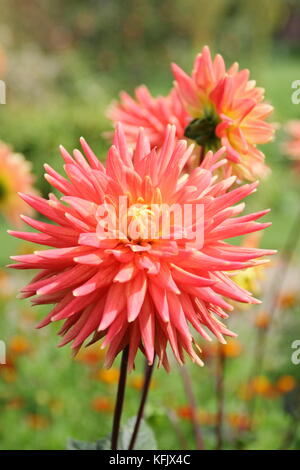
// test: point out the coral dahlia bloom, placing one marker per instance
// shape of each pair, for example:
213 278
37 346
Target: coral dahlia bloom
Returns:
218 107
117 282
15 176
153 114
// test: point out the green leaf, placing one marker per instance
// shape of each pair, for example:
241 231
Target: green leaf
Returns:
104 443
145 438
74 444
101 444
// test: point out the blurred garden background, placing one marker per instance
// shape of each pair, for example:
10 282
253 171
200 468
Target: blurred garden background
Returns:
63 63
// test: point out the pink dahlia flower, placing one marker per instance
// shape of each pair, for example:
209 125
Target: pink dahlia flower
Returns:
15 175
153 114
218 108
109 276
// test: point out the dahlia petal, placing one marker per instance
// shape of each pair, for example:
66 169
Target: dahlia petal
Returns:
54 230
192 316
91 259
147 327
136 292
126 273
185 84
135 339
102 277
151 265
93 160
177 315
76 305
160 301
68 278
91 323
40 238
115 302
165 280
186 277
74 329
120 143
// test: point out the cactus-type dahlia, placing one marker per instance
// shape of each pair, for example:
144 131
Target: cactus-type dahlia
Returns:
122 284
214 107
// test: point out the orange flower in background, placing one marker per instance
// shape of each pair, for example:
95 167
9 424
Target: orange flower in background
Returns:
261 385
286 383
91 356
102 404
19 345
15 176
137 382
37 422
184 412
206 418
108 376
287 300
262 320
232 349
8 371
239 421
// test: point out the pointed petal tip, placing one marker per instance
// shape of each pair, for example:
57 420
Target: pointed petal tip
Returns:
10 266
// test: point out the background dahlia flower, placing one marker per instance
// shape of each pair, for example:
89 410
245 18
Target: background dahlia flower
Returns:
151 113
218 108
137 291
15 176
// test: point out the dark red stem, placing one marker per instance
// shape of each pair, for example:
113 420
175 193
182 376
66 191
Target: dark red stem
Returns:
119 400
